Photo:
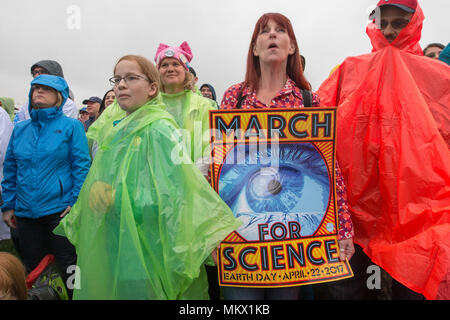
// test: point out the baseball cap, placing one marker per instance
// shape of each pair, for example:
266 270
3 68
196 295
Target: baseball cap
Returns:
93 99
406 5
84 109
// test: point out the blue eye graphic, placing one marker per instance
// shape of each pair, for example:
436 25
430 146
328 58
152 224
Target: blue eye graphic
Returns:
296 189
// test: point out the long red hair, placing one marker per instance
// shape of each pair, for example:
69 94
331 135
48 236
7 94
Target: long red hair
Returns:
294 64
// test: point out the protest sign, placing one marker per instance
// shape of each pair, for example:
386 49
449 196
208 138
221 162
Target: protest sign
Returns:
276 170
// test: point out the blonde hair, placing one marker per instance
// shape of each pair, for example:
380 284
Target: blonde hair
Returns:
147 68
12 278
59 99
189 81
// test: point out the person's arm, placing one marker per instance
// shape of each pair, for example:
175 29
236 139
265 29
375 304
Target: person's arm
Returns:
80 162
345 232
9 185
80 159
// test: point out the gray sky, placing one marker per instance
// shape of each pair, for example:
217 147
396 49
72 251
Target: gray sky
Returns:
88 44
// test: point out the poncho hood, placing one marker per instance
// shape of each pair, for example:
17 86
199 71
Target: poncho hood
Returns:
407 40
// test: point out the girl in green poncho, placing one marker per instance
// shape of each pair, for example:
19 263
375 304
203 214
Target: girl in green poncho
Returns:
143 225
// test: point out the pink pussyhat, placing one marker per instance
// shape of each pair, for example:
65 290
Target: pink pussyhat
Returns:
182 53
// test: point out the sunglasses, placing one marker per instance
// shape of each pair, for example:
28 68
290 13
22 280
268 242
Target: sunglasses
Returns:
397 24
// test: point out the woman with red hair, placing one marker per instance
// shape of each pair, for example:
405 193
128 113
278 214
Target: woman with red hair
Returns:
275 79
274 76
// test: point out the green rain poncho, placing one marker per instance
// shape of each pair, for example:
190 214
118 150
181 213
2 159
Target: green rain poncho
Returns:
143 226
191 112
100 128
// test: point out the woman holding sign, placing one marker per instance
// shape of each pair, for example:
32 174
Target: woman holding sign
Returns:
274 79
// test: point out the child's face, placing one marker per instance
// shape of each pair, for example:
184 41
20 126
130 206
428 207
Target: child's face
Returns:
135 89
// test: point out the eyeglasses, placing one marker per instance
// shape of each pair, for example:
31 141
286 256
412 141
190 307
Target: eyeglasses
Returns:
130 79
397 24
38 72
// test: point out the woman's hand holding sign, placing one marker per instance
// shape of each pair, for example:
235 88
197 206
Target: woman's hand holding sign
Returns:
347 249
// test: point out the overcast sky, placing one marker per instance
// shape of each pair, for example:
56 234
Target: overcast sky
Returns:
88 37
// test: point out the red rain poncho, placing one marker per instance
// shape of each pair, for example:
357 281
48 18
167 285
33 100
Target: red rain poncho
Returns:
393 125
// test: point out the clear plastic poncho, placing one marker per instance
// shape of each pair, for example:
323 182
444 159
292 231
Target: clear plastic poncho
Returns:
191 112
143 226
99 129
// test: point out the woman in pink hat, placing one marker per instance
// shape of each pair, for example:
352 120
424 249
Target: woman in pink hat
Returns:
190 109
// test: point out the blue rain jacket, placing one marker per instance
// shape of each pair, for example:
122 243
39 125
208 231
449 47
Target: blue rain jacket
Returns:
47 159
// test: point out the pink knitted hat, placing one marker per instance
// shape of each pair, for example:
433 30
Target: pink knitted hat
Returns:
182 53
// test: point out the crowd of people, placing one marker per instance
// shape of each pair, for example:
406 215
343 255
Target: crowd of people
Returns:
99 188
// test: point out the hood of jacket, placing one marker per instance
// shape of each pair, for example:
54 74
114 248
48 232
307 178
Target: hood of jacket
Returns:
445 55
407 40
55 82
210 88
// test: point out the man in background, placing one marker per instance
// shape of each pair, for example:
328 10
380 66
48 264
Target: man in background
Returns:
83 115
93 109
433 50
208 91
